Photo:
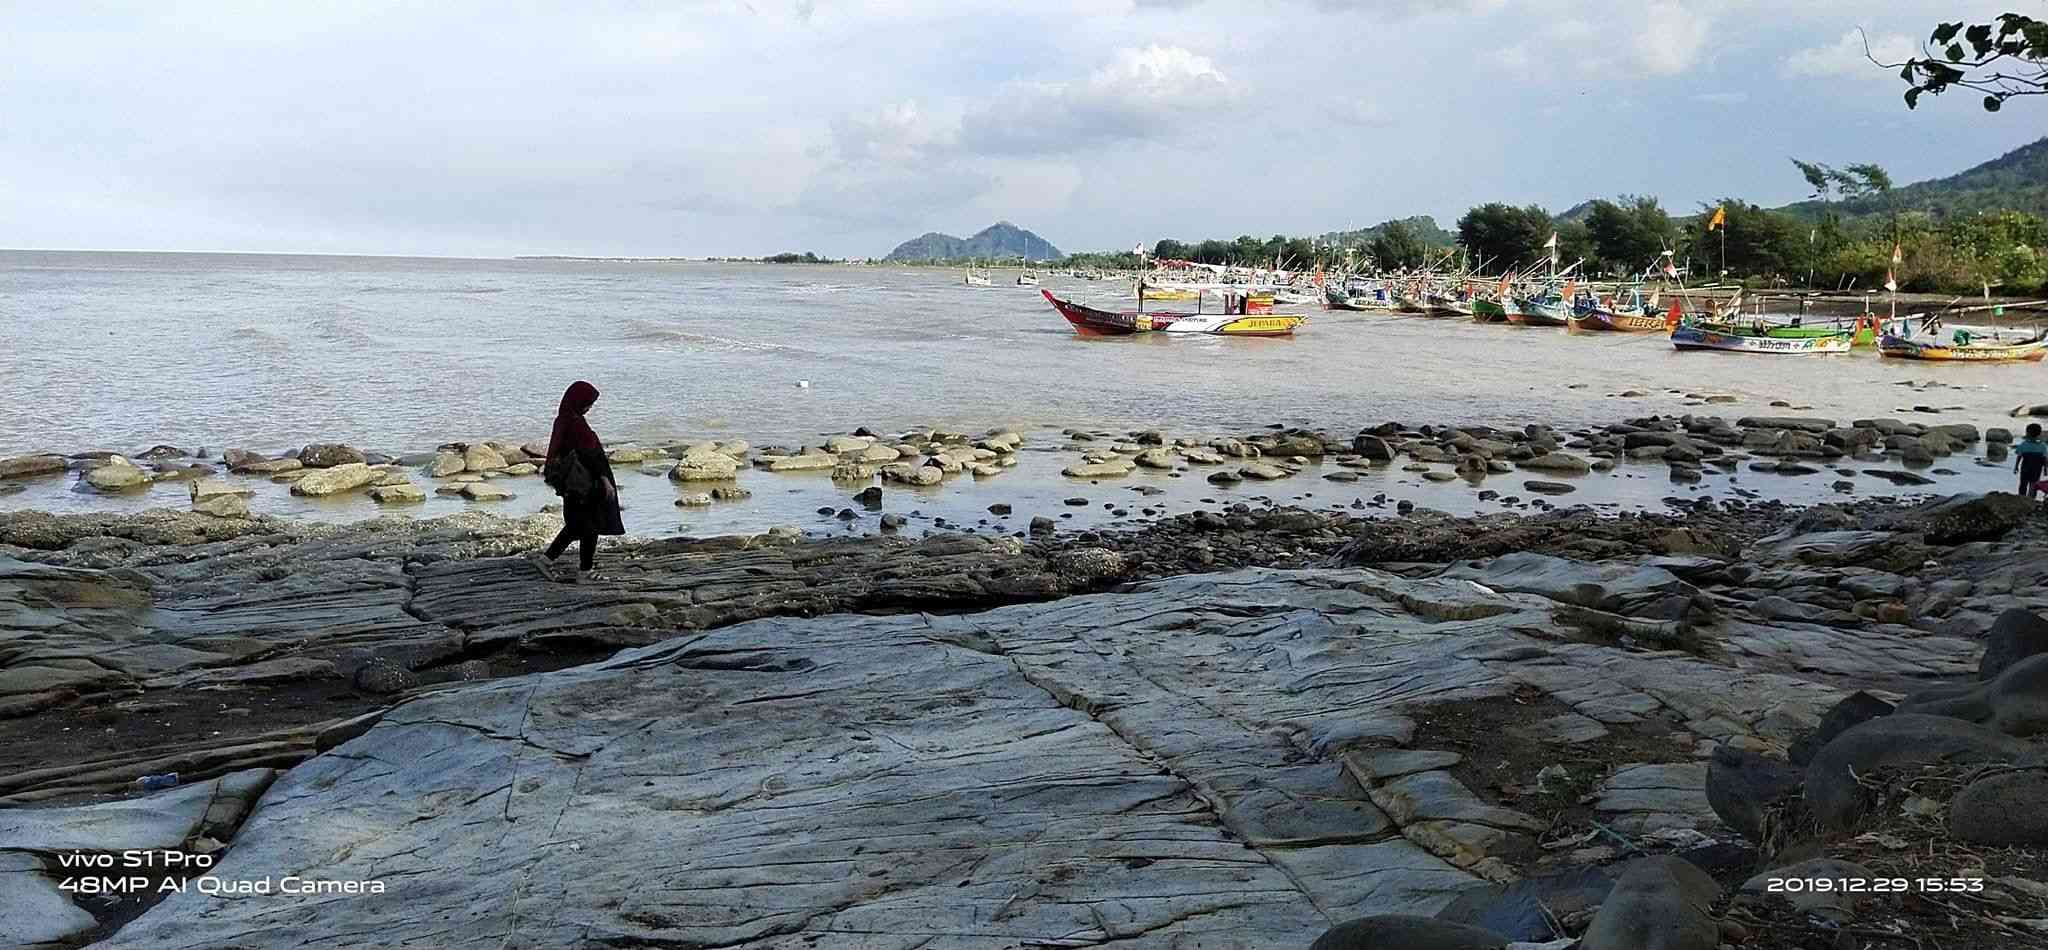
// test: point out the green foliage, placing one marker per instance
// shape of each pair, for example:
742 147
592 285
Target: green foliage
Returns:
2002 59
793 258
1293 253
1422 226
1629 236
2017 180
1504 234
1398 247
1102 260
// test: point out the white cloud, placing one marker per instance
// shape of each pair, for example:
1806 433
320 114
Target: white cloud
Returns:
1670 39
1142 93
1848 57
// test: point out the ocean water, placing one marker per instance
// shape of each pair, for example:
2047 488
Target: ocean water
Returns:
121 351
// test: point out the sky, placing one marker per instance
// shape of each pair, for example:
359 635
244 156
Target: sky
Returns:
718 127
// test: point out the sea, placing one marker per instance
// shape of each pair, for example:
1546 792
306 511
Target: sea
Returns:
123 351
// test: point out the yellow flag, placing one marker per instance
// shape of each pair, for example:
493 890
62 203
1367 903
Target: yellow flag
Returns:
1720 218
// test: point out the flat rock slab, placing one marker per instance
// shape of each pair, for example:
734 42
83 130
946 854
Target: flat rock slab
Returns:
166 819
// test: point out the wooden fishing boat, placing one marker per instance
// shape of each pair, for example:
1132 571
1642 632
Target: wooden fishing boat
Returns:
1487 310
1689 336
1546 311
1863 333
1966 350
1156 292
977 280
1228 324
1090 320
1605 320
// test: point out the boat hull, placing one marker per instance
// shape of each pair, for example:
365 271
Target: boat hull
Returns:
1488 311
1904 349
1606 322
1696 338
1268 324
1090 320
1526 317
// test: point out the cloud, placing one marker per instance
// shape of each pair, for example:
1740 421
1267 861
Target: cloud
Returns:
1670 39
1141 94
1848 57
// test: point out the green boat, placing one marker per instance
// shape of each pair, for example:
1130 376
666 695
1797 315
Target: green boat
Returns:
1488 310
1864 334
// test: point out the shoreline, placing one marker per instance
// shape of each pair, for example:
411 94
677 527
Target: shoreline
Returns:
925 478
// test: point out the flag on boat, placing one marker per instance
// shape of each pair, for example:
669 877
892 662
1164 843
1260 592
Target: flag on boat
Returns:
1552 245
1670 265
1898 254
1720 218
1891 275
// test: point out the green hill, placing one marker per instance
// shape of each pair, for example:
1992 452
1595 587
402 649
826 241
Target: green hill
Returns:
1423 226
999 241
2015 181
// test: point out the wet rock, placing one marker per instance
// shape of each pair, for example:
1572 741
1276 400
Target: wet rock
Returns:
917 475
870 497
1406 932
1658 903
2003 809
1225 477
330 454
2016 635
30 466
1372 447
342 477
704 466
480 457
1043 525
1263 471
893 521
1541 487
117 475
1745 788
695 499
206 488
1960 519
1898 476
853 472
1902 740
1785 422
222 506
1856 708
445 464
999 508
1108 468
730 493
1156 458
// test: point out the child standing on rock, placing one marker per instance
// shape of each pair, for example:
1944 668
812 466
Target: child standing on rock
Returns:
2028 457
579 471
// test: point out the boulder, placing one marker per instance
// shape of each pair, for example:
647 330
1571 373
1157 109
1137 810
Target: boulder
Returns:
482 491
852 472
1225 477
478 457
1406 932
1901 740
2016 635
1303 445
205 488
1541 487
348 476
695 499
807 462
1156 458
445 464
1263 471
1108 468
1372 447
841 444
1658 903
1744 788
402 494
1960 519
704 467
1785 422
2003 809
2015 703
329 454
1559 462
117 475
29 466
1855 709
222 506
909 474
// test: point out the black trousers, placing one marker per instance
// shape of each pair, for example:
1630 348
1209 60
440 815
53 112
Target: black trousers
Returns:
586 545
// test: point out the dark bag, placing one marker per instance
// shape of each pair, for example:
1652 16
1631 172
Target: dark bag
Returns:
568 476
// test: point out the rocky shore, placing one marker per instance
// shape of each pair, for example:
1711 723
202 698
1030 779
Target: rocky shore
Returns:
1515 467
1252 726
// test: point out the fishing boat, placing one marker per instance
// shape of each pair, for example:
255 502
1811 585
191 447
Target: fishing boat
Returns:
978 280
1963 348
1027 280
1151 291
1548 309
1093 321
1227 324
1690 336
1488 310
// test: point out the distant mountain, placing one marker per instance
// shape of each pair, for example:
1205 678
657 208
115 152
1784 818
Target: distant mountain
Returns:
2015 181
1423 226
1001 240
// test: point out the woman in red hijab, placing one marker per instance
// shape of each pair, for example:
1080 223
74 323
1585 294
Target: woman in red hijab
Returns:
590 505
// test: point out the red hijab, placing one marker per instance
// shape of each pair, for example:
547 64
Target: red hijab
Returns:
571 431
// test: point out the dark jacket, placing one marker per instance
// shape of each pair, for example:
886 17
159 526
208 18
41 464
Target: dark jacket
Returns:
590 513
